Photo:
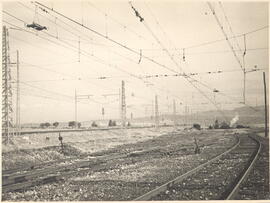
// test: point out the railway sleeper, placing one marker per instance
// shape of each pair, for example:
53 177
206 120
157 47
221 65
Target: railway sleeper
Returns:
19 179
49 179
9 180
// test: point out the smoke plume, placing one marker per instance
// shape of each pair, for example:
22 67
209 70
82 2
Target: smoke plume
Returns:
234 120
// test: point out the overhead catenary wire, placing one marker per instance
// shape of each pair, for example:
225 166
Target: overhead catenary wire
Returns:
112 101
244 67
65 46
102 61
114 41
49 91
225 35
214 41
116 21
217 52
232 48
99 59
92 55
171 56
160 27
91 30
229 24
133 75
154 76
108 38
141 78
67 97
165 34
191 82
187 78
59 25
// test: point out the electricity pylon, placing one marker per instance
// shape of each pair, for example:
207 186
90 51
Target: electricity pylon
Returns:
7 111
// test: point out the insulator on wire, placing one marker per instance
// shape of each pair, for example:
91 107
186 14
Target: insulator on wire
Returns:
136 12
245 50
43 9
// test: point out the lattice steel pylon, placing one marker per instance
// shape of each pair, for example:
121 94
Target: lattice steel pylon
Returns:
7 111
123 104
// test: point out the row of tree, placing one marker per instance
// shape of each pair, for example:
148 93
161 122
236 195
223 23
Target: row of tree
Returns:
56 124
46 125
216 125
224 125
72 124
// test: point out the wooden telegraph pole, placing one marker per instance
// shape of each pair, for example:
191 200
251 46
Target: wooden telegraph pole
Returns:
265 106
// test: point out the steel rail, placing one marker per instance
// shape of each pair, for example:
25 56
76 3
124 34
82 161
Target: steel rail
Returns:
11 182
178 179
235 190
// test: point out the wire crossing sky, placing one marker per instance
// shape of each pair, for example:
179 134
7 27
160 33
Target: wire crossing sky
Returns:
175 50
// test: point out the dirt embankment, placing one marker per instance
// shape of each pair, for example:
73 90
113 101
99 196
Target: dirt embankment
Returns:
38 148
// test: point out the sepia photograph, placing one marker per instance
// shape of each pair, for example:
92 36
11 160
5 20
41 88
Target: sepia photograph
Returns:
135 100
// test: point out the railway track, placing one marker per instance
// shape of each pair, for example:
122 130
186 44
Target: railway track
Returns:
47 166
20 180
256 186
219 178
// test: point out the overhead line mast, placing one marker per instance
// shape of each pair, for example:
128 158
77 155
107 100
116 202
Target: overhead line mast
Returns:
123 104
18 106
7 111
242 66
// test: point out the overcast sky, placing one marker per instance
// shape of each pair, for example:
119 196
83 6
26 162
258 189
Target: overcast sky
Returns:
52 65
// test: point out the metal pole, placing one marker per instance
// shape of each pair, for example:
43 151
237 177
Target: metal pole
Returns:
120 105
75 109
174 113
156 112
18 98
244 71
123 105
265 105
244 91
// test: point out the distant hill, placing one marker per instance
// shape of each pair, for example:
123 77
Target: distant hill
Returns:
247 116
